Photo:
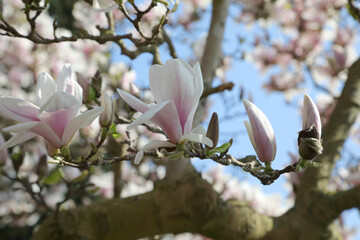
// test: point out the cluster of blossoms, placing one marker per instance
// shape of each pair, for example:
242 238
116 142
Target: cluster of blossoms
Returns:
176 86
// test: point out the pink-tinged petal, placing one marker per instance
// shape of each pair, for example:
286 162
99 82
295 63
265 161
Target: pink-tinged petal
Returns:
134 102
58 120
80 121
164 115
195 137
179 82
18 109
154 144
61 100
311 115
45 88
67 82
21 127
47 133
17 139
262 133
139 155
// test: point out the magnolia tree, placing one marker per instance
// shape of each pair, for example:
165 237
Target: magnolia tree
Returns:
86 153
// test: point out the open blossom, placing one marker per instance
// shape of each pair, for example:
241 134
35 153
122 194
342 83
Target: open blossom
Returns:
55 117
260 132
177 88
309 138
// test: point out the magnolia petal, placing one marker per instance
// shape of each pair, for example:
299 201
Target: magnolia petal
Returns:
262 131
17 139
61 100
147 115
45 88
67 83
250 134
154 144
195 137
58 120
200 130
47 133
18 109
139 155
134 102
311 115
78 122
165 116
21 127
177 81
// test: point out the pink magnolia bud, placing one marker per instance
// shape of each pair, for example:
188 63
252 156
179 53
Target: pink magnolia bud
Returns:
309 138
260 132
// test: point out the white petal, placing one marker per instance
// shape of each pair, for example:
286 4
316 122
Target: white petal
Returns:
80 121
250 133
139 155
45 88
18 109
21 127
67 83
17 139
147 115
134 102
154 144
200 130
60 100
195 137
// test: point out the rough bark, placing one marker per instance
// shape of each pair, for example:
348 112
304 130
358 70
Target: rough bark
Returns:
187 205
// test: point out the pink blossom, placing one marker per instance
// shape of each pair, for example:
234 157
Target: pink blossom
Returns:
260 132
177 88
55 117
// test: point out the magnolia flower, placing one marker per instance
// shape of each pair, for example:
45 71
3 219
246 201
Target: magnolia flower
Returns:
55 117
177 88
104 5
309 138
260 132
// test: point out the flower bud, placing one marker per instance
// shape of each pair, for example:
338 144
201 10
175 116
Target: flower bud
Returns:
309 144
260 132
213 130
309 138
107 116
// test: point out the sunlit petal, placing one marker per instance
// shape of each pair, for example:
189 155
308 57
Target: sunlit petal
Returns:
18 109
134 102
45 88
78 122
17 139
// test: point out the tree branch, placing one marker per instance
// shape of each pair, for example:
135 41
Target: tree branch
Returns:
188 205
